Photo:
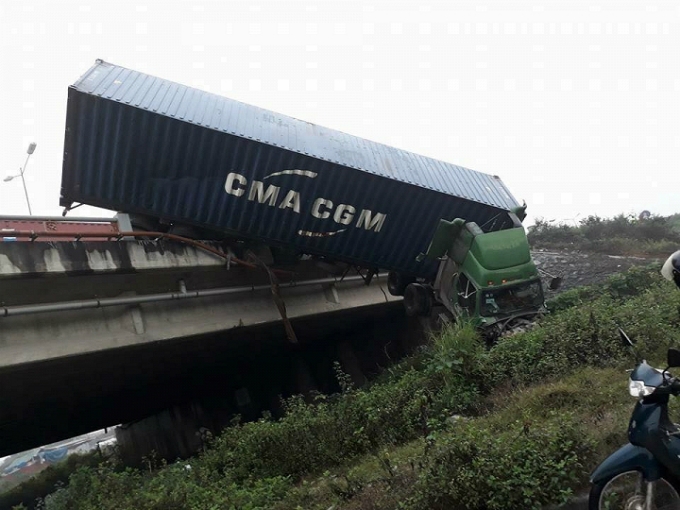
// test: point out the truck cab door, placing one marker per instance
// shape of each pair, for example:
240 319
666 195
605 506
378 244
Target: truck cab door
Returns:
445 284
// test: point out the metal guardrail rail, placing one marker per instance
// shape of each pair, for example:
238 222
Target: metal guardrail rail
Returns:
183 293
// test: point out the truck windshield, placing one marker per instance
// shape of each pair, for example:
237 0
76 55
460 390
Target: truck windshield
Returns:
512 299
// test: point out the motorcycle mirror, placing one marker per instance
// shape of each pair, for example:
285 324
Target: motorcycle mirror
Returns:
669 269
555 283
673 357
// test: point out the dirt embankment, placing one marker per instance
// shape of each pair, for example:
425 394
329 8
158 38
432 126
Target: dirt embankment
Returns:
579 269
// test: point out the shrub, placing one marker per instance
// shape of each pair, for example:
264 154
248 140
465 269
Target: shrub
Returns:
662 248
521 467
535 448
174 488
630 283
330 431
455 361
28 492
255 465
587 334
620 235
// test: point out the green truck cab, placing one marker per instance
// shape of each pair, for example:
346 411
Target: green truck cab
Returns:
487 277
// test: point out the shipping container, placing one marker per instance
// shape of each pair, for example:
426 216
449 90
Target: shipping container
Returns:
139 144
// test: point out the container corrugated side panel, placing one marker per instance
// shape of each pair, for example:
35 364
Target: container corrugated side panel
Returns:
132 158
125 158
255 123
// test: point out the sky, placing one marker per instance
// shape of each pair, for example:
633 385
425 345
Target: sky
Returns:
574 104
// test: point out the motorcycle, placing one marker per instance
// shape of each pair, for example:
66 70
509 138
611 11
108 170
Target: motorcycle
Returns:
645 473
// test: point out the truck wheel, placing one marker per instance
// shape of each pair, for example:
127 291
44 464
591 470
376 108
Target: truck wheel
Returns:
417 300
397 283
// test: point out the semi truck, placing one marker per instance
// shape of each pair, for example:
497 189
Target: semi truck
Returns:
486 277
205 166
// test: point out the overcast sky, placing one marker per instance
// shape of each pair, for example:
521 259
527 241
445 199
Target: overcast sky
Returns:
575 104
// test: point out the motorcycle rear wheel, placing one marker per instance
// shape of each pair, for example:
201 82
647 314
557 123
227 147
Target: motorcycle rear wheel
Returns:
628 491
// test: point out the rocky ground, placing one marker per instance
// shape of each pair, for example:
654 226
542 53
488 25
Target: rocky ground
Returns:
579 268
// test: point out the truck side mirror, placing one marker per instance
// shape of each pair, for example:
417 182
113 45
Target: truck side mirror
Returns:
555 283
673 357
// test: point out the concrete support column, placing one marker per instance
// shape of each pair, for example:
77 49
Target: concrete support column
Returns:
171 434
350 363
304 380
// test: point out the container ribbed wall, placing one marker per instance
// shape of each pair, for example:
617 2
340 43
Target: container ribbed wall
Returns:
135 143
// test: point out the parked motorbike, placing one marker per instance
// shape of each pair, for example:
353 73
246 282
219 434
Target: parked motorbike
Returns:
645 473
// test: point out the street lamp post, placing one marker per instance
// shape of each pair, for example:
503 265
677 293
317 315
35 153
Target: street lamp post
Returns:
29 151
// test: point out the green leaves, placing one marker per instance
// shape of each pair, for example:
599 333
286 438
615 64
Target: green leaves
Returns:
537 444
519 467
620 235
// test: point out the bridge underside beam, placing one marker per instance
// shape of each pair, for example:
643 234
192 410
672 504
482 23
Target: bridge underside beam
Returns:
65 299
54 334
69 358
47 401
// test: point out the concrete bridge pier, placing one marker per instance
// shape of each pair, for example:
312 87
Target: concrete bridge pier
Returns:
304 380
350 363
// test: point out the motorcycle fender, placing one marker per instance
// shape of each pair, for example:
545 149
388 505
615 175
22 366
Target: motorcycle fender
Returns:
628 458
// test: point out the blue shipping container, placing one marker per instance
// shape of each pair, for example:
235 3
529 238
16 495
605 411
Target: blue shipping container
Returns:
140 144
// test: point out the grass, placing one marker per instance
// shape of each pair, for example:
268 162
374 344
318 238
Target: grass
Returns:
398 476
457 426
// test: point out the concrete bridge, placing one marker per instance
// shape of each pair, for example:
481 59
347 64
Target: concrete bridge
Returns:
96 333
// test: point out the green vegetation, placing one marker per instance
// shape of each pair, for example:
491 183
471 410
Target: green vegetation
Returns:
618 287
456 426
44 482
621 235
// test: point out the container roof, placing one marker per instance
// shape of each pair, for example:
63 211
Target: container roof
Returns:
201 108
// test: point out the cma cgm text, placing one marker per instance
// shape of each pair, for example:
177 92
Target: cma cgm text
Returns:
322 208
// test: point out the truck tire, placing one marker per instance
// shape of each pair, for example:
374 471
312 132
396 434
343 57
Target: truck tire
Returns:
417 300
397 283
